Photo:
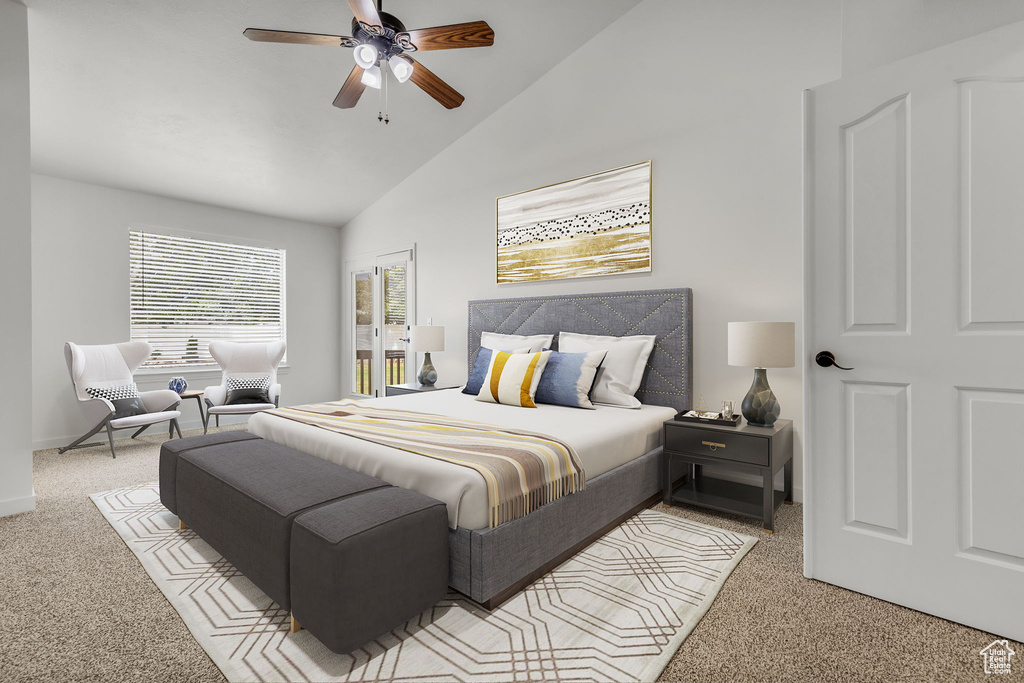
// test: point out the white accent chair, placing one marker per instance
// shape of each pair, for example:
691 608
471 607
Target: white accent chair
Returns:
242 359
106 364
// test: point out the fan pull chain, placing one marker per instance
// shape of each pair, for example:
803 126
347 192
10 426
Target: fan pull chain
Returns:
380 105
387 119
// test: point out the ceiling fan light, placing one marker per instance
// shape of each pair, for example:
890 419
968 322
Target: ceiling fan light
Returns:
371 77
401 67
365 55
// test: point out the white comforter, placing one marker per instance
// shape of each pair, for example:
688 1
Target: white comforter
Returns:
604 438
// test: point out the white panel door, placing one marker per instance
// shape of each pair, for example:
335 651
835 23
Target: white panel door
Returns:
915 278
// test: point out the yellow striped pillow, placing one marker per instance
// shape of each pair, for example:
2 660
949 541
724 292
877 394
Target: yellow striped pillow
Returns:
512 378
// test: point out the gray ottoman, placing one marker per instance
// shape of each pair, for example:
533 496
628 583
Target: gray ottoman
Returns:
241 498
170 451
364 565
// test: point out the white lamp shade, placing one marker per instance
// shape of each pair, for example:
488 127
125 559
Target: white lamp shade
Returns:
401 67
762 345
371 77
426 338
366 55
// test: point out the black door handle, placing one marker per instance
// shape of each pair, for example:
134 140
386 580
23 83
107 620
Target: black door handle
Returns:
826 359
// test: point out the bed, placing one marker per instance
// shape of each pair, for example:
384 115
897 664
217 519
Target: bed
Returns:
620 448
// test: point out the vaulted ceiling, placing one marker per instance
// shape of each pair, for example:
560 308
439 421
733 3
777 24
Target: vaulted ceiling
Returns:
169 98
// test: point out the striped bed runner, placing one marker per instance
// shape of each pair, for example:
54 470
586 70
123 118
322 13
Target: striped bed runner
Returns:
523 470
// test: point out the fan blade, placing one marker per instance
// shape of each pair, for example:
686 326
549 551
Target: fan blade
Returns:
473 34
269 36
365 11
435 87
350 93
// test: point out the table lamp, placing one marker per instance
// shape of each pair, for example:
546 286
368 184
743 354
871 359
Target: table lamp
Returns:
761 345
426 338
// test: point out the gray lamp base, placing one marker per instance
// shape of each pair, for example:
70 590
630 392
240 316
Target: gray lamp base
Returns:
760 407
428 375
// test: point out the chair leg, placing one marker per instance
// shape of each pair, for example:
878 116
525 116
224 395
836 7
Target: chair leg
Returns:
141 429
175 428
79 440
206 420
217 417
110 437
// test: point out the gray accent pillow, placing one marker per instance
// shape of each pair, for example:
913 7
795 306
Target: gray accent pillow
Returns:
125 398
243 390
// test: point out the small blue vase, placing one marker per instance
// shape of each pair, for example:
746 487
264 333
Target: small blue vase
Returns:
177 384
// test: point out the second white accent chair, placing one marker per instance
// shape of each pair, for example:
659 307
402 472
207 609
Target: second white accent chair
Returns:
245 366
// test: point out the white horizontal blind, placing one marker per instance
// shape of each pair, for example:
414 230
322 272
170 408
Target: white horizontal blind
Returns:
186 292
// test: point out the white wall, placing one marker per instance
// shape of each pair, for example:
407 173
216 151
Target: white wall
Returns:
715 102
876 32
80 282
16 494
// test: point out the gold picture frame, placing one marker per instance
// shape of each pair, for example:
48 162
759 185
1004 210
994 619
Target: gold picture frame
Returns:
594 225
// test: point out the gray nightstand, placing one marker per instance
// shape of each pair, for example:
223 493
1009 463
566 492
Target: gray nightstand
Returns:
753 450
413 388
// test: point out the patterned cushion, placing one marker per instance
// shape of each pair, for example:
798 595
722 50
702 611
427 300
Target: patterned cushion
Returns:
568 378
480 365
125 398
506 342
512 378
244 389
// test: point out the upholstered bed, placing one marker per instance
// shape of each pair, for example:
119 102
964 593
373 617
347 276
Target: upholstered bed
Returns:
620 448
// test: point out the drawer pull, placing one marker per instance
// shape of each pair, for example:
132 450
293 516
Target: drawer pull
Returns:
712 445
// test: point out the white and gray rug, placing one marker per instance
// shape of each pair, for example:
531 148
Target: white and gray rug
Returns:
617 611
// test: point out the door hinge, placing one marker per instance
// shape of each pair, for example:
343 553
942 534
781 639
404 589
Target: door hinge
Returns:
375 330
375 270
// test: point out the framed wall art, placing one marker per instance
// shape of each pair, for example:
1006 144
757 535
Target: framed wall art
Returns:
596 225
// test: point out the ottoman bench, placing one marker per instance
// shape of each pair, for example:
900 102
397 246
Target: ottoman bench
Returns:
242 498
363 565
170 451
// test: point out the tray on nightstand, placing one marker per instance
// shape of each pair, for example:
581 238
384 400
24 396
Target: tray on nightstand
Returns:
730 422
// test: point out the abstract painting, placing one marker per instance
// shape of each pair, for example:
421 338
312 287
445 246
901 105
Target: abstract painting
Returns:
597 225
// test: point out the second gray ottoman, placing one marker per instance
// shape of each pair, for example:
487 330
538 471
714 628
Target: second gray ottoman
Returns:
364 565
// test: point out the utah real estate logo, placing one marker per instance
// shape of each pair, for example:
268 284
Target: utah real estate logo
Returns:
997 657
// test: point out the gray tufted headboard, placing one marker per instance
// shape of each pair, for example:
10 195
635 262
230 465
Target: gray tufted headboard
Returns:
667 313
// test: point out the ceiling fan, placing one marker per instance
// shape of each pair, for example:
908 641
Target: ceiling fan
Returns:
380 41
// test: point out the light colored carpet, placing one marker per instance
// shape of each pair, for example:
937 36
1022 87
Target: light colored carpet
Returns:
617 611
77 605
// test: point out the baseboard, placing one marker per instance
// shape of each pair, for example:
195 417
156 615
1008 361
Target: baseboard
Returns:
58 442
15 506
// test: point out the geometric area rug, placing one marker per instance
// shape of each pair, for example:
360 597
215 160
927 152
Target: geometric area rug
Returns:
616 611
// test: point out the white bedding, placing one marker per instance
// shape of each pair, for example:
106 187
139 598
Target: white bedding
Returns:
604 439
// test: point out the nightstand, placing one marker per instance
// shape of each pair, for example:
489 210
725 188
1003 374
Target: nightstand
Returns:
413 388
748 450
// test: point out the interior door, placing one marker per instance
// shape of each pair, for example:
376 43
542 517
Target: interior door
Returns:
915 245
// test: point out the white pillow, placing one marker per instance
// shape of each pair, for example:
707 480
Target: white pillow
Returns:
510 342
620 374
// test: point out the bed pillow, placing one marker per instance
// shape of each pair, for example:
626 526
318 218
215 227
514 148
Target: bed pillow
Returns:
569 377
480 365
620 374
507 342
244 389
512 378
125 398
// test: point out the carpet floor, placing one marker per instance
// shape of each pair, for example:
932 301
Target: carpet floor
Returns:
77 605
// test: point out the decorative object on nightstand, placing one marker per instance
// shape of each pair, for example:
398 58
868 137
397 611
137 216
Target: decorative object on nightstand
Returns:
761 345
761 451
414 388
426 338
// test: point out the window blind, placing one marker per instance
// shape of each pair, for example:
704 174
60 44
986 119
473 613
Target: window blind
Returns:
186 292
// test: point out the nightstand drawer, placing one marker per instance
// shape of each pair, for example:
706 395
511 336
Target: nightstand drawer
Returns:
718 444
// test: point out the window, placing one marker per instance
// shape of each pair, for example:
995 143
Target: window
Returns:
381 306
186 292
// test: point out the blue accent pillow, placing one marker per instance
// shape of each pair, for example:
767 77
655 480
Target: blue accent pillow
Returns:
476 378
569 377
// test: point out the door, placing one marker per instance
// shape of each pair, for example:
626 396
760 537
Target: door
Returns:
915 242
381 304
